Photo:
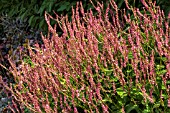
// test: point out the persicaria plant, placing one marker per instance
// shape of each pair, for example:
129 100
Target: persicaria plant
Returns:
114 61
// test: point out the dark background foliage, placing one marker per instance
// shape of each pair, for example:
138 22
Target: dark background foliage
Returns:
33 10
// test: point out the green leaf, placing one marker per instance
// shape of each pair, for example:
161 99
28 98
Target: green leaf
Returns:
74 3
161 72
128 71
62 81
121 92
157 104
34 21
107 100
165 96
30 20
22 10
90 6
41 10
107 70
158 67
66 3
68 8
28 60
130 55
132 107
134 90
100 38
36 9
50 6
11 13
113 78
163 87
44 5
146 111
24 15
164 59
42 22
120 3
63 6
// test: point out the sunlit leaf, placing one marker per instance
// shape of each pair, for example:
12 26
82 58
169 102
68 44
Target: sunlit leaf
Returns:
132 107
121 92
130 55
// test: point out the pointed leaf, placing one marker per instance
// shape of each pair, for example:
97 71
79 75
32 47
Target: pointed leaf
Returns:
31 19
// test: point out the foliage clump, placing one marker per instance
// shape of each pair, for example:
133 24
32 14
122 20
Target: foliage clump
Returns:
98 64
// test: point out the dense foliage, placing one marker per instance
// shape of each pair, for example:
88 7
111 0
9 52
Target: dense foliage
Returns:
98 64
33 10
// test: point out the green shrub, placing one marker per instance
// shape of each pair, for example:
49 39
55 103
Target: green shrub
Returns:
97 65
